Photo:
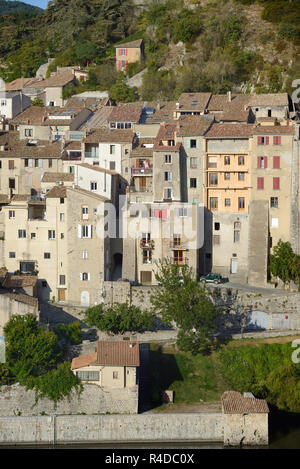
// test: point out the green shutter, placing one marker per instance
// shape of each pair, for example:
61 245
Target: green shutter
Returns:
198 183
198 143
189 144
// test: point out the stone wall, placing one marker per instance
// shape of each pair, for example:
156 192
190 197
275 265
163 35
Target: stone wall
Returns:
15 400
111 428
247 429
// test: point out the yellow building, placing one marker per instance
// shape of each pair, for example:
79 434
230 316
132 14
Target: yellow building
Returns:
127 53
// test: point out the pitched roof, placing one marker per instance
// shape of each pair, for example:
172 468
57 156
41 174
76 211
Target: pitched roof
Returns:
98 168
57 192
33 115
20 198
111 353
19 281
16 148
274 129
61 79
54 177
193 125
109 136
133 44
230 131
270 99
235 403
4 199
129 112
221 102
167 132
193 101
155 112
29 300
21 83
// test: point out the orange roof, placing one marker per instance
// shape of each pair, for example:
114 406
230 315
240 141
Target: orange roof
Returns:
111 353
235 403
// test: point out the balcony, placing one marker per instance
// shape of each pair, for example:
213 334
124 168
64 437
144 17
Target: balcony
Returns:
147 244
141 171
178 245
180 261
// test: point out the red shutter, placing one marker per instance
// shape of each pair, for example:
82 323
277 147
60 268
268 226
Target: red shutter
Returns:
259 140
164 214
258 162
276 183
260 183
276 162
277 140
119 64
126 51
267 140
265 162
119 51
157 213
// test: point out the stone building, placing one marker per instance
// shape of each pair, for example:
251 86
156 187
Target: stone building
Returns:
114 364
129 52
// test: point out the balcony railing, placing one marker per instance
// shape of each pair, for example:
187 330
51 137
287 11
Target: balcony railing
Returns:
147 244
91 154
147 260
183 261
178 245
141 171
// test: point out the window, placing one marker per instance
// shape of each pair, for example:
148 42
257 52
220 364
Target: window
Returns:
178 257
62 200
28 132
217 226
262 140
3 102
227 202
227 160
12 255
26 162
260 183
12 183
194 163
168 193
62 235
212 161
51 234
115 375
112 165
11 164
62 279
36 163
241 176
176 240
93 186
168 159
11 214
182 212
112 149
216 239
33 235
62 217
236 237
237 225
84 231
84 255
276 162
168 176
274 222
276 183
147 256
241 203
85 210
276 140
88 375
27 267
262 162
274 202
22 233
122 51
227 176
84 276
213 203
193 143
49 163
213 179
269 112
47 255
193 183
241 160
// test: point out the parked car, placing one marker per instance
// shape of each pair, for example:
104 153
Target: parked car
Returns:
212 278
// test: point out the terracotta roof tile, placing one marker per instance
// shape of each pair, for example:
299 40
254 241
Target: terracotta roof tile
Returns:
55 177
130 112
30 300
111 353
109 136
193 125
230 131
274 129
57 192
84 360
193 101
61 79
270 99
235 403
134 44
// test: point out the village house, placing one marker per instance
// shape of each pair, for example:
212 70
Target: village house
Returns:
128 53
12 103
114 364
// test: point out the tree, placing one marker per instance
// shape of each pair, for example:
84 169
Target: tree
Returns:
37 102
29 349
284 263
182 300
119 318
121 93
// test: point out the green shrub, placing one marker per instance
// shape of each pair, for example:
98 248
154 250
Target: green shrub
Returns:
70 332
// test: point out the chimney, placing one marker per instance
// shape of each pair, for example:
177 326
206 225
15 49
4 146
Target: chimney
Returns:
229 96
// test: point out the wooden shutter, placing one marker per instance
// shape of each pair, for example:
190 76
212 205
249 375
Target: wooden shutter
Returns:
265 162
258 162
267 140
79 231
276 183
276 162
260 183
259 140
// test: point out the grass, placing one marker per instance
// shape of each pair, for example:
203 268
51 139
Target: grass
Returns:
193 379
